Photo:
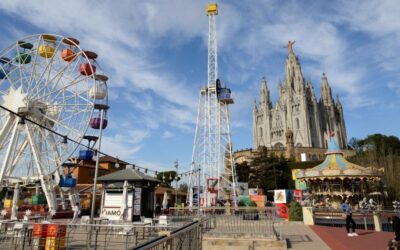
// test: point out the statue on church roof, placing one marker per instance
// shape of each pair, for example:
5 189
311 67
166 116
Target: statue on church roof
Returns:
290 46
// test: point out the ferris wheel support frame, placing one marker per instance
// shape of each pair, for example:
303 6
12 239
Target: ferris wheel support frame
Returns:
7 157
47 187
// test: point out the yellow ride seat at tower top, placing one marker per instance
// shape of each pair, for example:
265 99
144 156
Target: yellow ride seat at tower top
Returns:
46 51
212 9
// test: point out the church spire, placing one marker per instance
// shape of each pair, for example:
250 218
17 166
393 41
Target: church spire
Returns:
326 92
255 105
264 94
338 103
294 80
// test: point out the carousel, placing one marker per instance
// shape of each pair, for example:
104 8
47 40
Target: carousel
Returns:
336 178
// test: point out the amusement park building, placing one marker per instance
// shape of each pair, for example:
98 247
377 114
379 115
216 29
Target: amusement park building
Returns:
84 172
337 178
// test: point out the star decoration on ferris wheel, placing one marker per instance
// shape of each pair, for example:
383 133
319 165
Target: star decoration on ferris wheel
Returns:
14 99
28 212
52 213
3 212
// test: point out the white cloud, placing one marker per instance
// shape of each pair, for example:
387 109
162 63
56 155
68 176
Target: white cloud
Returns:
167 134
149 91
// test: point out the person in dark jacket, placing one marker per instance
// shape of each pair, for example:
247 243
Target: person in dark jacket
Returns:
346 208
394 243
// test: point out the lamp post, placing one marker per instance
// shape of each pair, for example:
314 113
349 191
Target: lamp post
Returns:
198 191
176 182
103 108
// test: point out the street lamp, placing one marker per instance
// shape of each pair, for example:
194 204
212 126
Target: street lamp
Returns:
176 182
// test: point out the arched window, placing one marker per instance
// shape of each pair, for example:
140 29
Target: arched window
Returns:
297 123
261 134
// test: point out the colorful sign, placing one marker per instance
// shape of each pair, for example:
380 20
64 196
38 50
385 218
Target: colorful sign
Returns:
212 185
283 196
298 195
294 171
253 191
280 196
208 199
260 200
242 188
302 185
283 210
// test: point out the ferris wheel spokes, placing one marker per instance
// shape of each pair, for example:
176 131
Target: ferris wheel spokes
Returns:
10 147
49 193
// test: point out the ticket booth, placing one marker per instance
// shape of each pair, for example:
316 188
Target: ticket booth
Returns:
127 195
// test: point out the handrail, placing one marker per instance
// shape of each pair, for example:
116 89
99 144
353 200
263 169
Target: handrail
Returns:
165 238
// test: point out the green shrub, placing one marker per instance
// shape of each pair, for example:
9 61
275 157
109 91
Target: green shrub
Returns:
295 211
253 204
242 203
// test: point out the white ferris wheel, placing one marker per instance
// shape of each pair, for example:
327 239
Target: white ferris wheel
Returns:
49 88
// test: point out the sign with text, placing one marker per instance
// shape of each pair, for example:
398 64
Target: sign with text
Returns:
137 202
111 213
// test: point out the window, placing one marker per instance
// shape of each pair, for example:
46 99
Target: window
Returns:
297 123
261 132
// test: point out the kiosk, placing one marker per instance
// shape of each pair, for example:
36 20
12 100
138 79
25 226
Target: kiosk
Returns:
127 195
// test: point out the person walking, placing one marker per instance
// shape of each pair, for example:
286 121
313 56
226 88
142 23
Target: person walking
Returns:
394 243
346 208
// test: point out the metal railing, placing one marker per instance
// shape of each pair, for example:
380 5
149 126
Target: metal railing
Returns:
182 229
20 235
364 219
187 237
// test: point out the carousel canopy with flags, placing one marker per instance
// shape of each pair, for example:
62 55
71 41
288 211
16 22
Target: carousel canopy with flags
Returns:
336 166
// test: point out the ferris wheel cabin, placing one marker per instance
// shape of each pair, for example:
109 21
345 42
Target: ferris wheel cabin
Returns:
23 56
4 67
88 69
47 49
69 54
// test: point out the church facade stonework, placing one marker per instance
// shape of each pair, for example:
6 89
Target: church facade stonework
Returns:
298 112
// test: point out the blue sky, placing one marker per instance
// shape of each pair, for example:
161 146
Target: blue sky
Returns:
155 54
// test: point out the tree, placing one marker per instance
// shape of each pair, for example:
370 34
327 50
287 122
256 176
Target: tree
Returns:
166 178
242 171
268 172
381 151
183 187
295 211
354 144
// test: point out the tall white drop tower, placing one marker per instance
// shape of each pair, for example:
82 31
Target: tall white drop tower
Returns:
213 174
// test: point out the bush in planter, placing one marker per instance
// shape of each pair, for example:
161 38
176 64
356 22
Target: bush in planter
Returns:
295 211
251 214
253 204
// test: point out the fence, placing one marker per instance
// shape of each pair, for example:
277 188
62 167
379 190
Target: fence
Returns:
183 230
364 220
21 235
187 237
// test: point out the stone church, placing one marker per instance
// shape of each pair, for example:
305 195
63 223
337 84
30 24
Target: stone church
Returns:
298 112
